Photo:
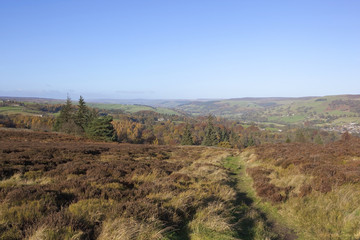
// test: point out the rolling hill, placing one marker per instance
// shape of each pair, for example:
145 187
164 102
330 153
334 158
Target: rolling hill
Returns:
319 111
340 112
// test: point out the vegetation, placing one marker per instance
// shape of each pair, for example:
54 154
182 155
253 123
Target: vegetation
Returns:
128 108
290 181
187 138
59 186
322 112
313 188
313 111
154 128
84 121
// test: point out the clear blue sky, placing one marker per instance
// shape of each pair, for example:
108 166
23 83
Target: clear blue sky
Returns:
179 49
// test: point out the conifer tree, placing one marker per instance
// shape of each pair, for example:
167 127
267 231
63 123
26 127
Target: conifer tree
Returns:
210 133
187 136
66 115
223 135
101 129
82 116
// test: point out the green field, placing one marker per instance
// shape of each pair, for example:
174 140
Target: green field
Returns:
287 119
8 110
316 110
132 108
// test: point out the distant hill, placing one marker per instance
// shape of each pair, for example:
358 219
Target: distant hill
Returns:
318 111
171 103
31 99
127 106
325 112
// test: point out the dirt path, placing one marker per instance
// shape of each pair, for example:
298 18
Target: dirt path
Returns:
251 222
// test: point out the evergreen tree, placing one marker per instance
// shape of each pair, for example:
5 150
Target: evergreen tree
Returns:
187 136
101 129
66 116
210 138
83 114
224 135
247 141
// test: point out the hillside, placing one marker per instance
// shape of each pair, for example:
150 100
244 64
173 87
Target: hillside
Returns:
328 111
57 186
31 106
313 188
335 113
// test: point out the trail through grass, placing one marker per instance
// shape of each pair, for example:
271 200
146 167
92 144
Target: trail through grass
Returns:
250 217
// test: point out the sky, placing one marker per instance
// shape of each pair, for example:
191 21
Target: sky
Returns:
189 49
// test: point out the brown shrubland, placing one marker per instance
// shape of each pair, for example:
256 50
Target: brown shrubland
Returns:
315 188
56 186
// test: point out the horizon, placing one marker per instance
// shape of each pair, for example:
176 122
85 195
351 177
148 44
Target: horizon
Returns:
171 99
173 50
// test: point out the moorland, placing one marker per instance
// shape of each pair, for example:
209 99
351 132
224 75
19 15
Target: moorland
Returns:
102 171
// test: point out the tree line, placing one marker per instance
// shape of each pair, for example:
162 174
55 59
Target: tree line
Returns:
149 127
82 120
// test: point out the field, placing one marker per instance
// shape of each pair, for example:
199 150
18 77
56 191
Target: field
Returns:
8 110
319 111
133 108
57 186
27 107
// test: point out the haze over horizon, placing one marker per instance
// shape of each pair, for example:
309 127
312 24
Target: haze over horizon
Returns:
179 50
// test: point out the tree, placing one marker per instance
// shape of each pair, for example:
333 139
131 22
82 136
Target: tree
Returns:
249 140
65 121
101 129
83 114
210 138
84 120
187 136
223 134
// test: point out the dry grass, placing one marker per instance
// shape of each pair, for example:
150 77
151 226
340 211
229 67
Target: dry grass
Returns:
319 186
213 217
19 179
130 229
334 215
92 210
46 233
151 176
61 187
